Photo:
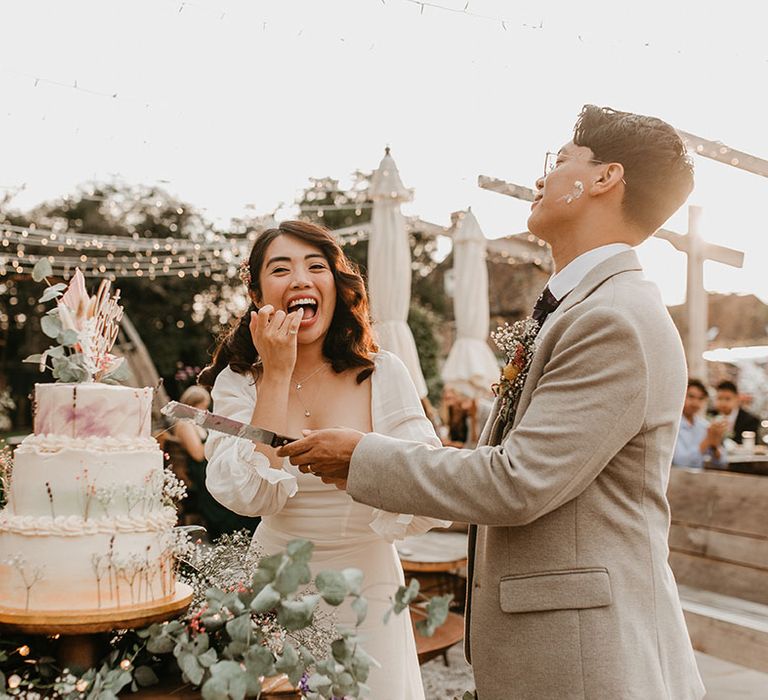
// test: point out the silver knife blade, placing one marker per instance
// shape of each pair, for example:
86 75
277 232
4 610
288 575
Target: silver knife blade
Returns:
222 424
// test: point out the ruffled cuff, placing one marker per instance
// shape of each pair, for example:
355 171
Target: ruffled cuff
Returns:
398 526
247 453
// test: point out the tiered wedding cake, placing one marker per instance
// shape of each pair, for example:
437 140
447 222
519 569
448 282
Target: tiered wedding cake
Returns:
88 523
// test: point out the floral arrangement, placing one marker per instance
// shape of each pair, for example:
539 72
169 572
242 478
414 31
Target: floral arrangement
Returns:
251 618
517 342
84 327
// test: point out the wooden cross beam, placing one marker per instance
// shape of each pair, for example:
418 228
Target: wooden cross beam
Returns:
724 154
696 250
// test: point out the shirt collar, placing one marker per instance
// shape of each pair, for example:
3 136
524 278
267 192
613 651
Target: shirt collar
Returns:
565 281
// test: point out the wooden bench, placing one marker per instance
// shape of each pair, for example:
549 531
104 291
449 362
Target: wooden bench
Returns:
719 553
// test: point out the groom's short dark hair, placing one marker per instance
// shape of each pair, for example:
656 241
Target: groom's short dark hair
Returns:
657 169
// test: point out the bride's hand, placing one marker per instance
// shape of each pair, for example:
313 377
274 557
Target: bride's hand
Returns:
274 334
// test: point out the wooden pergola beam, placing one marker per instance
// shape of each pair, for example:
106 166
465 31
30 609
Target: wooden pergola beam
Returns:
718 151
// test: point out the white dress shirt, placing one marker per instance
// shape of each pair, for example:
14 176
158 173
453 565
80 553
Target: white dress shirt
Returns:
565 281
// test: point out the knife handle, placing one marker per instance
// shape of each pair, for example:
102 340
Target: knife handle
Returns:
280 441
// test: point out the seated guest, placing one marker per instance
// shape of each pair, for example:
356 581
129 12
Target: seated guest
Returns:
698 441
728 407
218 519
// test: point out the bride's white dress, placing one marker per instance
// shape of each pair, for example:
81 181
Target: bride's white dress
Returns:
345 534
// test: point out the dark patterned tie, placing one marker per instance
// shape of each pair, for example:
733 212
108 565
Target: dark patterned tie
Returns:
544 306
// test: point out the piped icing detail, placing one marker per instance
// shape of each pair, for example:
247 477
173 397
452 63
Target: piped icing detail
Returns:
75 526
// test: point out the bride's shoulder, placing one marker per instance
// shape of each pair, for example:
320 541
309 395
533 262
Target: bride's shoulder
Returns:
388 364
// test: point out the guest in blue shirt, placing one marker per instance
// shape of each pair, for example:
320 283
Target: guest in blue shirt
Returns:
698 442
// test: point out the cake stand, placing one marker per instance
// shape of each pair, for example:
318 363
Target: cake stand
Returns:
81 631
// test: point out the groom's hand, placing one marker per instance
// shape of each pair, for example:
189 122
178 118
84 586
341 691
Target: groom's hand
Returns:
324 453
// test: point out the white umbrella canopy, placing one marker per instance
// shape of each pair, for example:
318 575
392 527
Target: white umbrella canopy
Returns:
471 366
389 269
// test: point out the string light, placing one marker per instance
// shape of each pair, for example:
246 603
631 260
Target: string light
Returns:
23 650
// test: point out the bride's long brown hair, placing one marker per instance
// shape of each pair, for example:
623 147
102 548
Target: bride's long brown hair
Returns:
349 342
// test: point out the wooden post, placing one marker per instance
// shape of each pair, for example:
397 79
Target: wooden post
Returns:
696 298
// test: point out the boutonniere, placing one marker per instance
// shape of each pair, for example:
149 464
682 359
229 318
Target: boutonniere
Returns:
517 342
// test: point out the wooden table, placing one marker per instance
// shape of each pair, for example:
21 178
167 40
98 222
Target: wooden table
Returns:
437 558
748 464
449 633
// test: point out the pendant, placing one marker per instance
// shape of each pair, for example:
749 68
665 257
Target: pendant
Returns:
307 413
298 387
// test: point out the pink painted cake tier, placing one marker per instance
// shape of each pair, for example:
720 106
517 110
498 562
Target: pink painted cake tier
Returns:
93 410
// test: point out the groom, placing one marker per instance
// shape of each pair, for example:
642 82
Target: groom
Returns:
569 591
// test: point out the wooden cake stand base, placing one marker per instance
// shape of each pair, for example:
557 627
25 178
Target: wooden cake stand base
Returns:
82 644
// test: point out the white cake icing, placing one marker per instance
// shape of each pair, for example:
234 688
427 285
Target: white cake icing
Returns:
67 566
86 525
88 477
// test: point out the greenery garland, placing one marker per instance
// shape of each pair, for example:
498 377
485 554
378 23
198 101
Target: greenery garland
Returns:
239 629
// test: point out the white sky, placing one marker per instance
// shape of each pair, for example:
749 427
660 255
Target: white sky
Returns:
238 103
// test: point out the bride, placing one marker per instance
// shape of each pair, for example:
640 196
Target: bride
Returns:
303 358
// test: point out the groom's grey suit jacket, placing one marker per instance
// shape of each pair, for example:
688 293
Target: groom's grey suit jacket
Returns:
569 592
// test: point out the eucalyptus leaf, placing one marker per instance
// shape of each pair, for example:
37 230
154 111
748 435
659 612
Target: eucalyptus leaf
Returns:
235 649
290 664
320 683
306 656
342 651
259 659
239 628
354 579
271 564
437 613
208 658
297 614
404 595
193 671
70 369
145 676
300 550
52 292
41 270
360 606
290 577
233 603
50 325
267 599
34 359
231 674
332 585
212 621
160 642
56 351
344 685
68 337
215 689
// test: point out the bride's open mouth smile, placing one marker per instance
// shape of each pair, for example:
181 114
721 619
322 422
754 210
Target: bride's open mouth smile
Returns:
311 308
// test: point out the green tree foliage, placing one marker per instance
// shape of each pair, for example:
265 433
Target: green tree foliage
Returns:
161 309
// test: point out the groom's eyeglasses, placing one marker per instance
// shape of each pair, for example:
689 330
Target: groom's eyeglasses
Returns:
550 162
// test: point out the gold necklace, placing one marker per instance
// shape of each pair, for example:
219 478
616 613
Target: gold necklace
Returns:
298 386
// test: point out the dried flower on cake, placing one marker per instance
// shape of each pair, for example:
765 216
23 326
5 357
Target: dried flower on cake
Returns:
85 328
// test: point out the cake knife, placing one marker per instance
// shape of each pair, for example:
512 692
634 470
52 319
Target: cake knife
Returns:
212 421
